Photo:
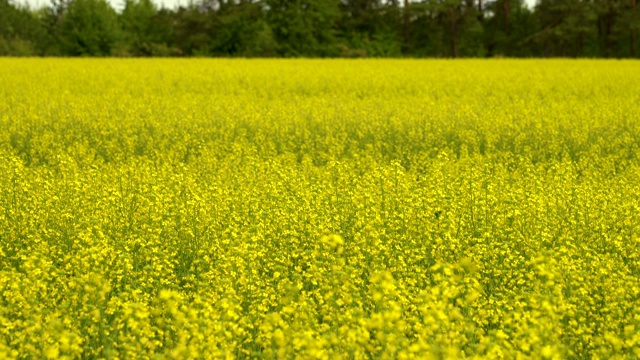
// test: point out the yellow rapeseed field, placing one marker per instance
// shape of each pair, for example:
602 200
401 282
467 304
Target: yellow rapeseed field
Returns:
330 209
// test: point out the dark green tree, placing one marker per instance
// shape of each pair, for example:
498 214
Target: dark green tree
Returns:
243 31
89 27
193 28
626 29
507 24
325 28
139 31
371 28
304 27
567 28
446 28
21 32
633 20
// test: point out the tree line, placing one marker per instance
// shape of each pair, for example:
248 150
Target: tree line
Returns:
324 28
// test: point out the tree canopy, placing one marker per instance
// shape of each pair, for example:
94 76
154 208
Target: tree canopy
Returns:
324 28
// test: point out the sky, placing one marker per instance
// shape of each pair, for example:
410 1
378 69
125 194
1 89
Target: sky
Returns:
118 4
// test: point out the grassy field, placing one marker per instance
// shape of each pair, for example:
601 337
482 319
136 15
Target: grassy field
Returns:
319 209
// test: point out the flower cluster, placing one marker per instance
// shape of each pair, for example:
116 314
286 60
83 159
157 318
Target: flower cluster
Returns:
172 209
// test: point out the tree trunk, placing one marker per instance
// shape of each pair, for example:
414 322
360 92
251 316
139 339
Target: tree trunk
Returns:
506 25
468 6
610 32
634 44
505 3
580 50
454 44
405 25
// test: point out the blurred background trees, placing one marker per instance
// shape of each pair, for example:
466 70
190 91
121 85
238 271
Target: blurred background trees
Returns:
324 28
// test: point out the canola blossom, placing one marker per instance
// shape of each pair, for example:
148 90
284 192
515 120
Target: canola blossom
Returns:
319 209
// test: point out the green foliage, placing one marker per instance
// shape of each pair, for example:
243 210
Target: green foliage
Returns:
144 33
325 28
304 27
89 27
570 27
244 31
21 33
